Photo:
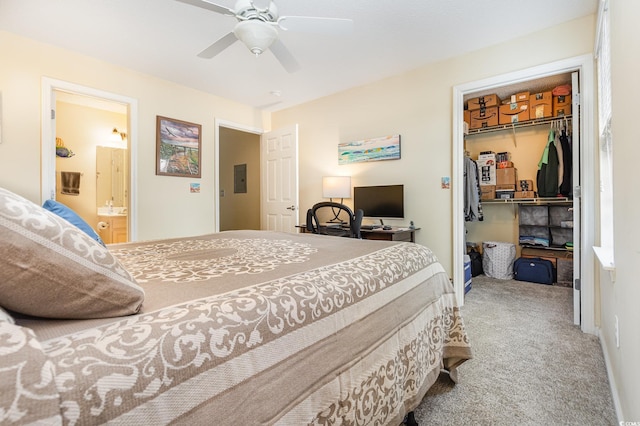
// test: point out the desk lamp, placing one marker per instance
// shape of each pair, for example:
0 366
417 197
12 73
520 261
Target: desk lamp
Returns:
336 187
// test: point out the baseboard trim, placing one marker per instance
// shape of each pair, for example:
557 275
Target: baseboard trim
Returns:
610 376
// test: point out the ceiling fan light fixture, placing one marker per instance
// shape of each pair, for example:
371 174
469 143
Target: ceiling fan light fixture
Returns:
255 34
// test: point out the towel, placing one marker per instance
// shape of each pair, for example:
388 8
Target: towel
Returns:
70 183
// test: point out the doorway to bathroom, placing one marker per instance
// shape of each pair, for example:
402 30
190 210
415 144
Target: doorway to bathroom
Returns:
87 157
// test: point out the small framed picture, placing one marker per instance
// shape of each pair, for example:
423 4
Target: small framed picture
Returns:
178 148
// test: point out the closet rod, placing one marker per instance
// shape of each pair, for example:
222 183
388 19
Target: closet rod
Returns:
534 122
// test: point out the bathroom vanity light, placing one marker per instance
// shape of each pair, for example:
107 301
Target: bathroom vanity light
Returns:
117 136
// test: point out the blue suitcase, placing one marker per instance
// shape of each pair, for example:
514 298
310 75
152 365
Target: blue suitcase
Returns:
534 270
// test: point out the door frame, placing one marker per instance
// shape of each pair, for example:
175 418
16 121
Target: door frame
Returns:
584 65
216 161
48 140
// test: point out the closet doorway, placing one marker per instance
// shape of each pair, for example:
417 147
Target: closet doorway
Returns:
584 188
239 179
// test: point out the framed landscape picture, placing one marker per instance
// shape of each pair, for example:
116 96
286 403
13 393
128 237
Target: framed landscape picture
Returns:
178 148
375 149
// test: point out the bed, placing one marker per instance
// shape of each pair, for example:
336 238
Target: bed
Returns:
236 327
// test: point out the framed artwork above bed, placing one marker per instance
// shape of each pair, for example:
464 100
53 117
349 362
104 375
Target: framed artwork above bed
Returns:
178 147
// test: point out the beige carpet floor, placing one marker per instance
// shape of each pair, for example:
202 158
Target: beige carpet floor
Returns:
531 365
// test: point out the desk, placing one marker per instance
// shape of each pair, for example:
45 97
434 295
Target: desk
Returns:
393 234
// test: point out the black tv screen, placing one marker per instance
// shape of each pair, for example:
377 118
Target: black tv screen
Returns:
382 201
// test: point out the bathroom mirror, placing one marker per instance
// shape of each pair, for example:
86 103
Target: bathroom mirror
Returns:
111 176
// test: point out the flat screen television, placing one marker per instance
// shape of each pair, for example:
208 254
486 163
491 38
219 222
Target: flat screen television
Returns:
381 202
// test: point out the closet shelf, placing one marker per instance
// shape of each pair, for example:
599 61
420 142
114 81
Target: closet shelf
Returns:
537 200
528 123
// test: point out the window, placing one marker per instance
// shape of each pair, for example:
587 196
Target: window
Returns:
603 58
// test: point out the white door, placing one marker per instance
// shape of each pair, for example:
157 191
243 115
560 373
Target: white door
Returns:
577 196
279 158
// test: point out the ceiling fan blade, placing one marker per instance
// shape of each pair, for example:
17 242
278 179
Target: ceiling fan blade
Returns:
218 46
205 4
310 24
285 57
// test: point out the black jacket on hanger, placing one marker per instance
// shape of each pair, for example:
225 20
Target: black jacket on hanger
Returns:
567 162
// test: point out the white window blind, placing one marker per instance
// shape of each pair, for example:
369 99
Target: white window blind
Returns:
603 56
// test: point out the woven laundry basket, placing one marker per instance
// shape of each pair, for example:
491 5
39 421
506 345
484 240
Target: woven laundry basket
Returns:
497 259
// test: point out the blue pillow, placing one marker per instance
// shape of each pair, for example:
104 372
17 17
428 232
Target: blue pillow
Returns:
71 217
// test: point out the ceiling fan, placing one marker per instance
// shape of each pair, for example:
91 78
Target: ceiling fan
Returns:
257 28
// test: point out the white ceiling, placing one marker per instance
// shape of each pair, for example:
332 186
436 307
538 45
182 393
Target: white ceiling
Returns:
163 37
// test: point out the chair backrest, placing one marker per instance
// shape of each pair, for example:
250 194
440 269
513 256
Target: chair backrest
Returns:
330 218
357 223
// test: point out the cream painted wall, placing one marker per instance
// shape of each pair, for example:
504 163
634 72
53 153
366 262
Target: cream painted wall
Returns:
166 206
418 106
242 210
622 297
83 129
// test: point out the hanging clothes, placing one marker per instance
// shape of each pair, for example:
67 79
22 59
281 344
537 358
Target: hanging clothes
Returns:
567 160
547 176
556 142
472 203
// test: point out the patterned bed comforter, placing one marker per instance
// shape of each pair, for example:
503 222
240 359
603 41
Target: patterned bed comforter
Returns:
247 327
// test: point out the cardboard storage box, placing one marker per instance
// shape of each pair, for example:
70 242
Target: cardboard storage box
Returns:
525 194
518 97
514 112
483 102
467 116
540 105
561 106
487 169
483 117
547 254
505 187
487 192
506 176
524 185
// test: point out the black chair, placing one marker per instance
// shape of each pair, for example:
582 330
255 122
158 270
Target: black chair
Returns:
335 219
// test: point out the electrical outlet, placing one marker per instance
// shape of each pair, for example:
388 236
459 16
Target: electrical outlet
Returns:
617 331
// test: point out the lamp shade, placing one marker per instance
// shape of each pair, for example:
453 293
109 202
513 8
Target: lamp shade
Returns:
336 187
255 34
